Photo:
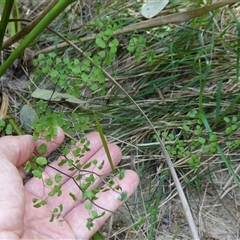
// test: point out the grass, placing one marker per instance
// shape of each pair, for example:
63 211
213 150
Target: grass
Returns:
185 77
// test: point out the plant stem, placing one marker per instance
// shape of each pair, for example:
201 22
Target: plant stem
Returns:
29 27
5 17
58 8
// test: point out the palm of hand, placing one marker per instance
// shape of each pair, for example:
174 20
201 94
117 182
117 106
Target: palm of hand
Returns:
20 220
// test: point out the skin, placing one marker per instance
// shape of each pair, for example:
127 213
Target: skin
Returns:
20 220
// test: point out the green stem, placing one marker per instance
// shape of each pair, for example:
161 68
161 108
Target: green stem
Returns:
16 8
14 124
26 30
62 4
4 20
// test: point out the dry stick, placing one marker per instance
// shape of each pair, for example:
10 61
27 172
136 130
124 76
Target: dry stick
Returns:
175 18
186 207
155 22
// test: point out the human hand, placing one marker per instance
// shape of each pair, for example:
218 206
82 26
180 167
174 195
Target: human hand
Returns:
20 220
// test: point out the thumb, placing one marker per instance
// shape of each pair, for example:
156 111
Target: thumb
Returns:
17 149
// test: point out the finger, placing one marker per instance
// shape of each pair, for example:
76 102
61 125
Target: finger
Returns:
77 218
95 143
73 188
16 149
35 186
51 146
39 189
13 152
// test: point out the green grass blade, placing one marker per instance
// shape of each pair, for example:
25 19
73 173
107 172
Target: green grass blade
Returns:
227 110
218 100
98 236
99 128
4 20
202 116
238 44
33 34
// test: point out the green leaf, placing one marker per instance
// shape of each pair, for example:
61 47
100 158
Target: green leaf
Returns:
201 140
108 33
87 165
94 87
66 61
43 202
76 61
27 167
76 70
73 196
56 96
226 119
78 177
2 123
41 56
37 205
186 128
34 62
48 181
132 44
90 178
56 190
42 161
54 73
34 200
234 119
213 144
45 70
36 173
123 196
100 42
58 177
198 132
228 130
51 54
102 54
61 207
42 148
49 61
88 195
52 218
89 223
96 61
100 167
121 174
55 210
237 142
111 182
35 136
9 129
94 162
213 138
88 206
234 127
94 213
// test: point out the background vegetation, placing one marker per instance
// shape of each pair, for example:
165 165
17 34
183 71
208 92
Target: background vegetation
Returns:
185 78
